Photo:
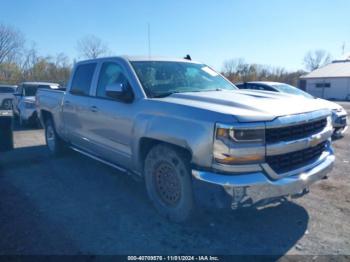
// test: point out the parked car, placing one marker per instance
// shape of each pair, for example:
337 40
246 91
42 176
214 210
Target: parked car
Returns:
189 132
339 114
24 102
6 96
6 135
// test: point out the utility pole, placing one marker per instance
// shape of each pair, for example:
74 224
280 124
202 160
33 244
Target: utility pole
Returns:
343 48
149 39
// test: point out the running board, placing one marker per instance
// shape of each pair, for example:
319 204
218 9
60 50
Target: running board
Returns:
100 160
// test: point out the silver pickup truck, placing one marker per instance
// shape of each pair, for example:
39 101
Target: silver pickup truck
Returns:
190 133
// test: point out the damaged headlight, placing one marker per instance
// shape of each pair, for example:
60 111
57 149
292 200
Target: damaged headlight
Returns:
241 135
239 145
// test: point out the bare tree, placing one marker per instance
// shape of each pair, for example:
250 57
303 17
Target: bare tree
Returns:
91 47
11 43
237 70
316 59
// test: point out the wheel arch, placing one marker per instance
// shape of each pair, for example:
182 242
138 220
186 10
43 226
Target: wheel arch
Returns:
147 143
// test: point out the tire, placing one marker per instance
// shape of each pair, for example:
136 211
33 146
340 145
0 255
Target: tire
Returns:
6 134
54 143
168 182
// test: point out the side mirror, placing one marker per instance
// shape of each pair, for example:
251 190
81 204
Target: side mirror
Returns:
120 91
116 90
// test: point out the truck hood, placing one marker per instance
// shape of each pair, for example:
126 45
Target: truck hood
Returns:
245 105
330 105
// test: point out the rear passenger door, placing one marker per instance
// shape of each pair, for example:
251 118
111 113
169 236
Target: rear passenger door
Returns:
76 107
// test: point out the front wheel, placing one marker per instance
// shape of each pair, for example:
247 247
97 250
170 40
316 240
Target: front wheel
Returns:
54 143
168 182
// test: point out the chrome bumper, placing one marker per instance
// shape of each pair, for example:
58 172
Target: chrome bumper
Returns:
254 188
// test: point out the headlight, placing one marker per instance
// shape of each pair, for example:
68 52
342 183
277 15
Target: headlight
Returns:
241 135
330 119
241 145
29 105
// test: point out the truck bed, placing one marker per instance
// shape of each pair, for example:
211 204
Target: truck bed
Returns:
49 100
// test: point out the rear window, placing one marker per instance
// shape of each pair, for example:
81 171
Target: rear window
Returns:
30 90
82 79
7 90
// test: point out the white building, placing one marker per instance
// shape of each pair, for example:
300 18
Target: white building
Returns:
330 82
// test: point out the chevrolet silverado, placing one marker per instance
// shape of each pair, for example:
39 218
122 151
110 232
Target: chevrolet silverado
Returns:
191 135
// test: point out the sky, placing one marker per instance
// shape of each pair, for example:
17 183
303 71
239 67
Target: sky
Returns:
269 32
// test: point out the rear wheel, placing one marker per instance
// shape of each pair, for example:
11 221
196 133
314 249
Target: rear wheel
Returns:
54 143
168 182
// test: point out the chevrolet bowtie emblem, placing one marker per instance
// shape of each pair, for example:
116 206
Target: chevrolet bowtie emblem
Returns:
314 141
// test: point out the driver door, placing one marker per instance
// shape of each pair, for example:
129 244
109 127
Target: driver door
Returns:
111 120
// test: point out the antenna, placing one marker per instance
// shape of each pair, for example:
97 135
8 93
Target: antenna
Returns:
149 39
343 48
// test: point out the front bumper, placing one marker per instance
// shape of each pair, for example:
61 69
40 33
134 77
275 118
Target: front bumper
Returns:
256 188
339 123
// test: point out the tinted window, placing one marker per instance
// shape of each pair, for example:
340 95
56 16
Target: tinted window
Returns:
29 90
111 73
260 87
6 89
82 79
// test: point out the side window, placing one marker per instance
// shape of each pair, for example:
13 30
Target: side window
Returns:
82 79
266 88
258 87
110 73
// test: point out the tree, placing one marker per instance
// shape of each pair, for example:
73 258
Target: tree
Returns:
91 47
11 43
316 59
237 70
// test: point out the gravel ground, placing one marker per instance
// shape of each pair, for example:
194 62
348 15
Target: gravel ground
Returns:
74 205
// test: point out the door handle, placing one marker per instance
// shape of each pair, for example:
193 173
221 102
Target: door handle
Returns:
93 109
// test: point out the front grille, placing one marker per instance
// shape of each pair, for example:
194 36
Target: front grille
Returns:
290 161
281 134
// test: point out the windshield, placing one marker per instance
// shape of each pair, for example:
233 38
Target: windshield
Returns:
284 88
5 89
30 90
165 78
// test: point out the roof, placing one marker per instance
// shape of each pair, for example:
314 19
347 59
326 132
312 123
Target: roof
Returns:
339 68
40 83
269 83
141 58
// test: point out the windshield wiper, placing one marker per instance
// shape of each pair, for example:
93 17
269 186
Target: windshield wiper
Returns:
165 94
